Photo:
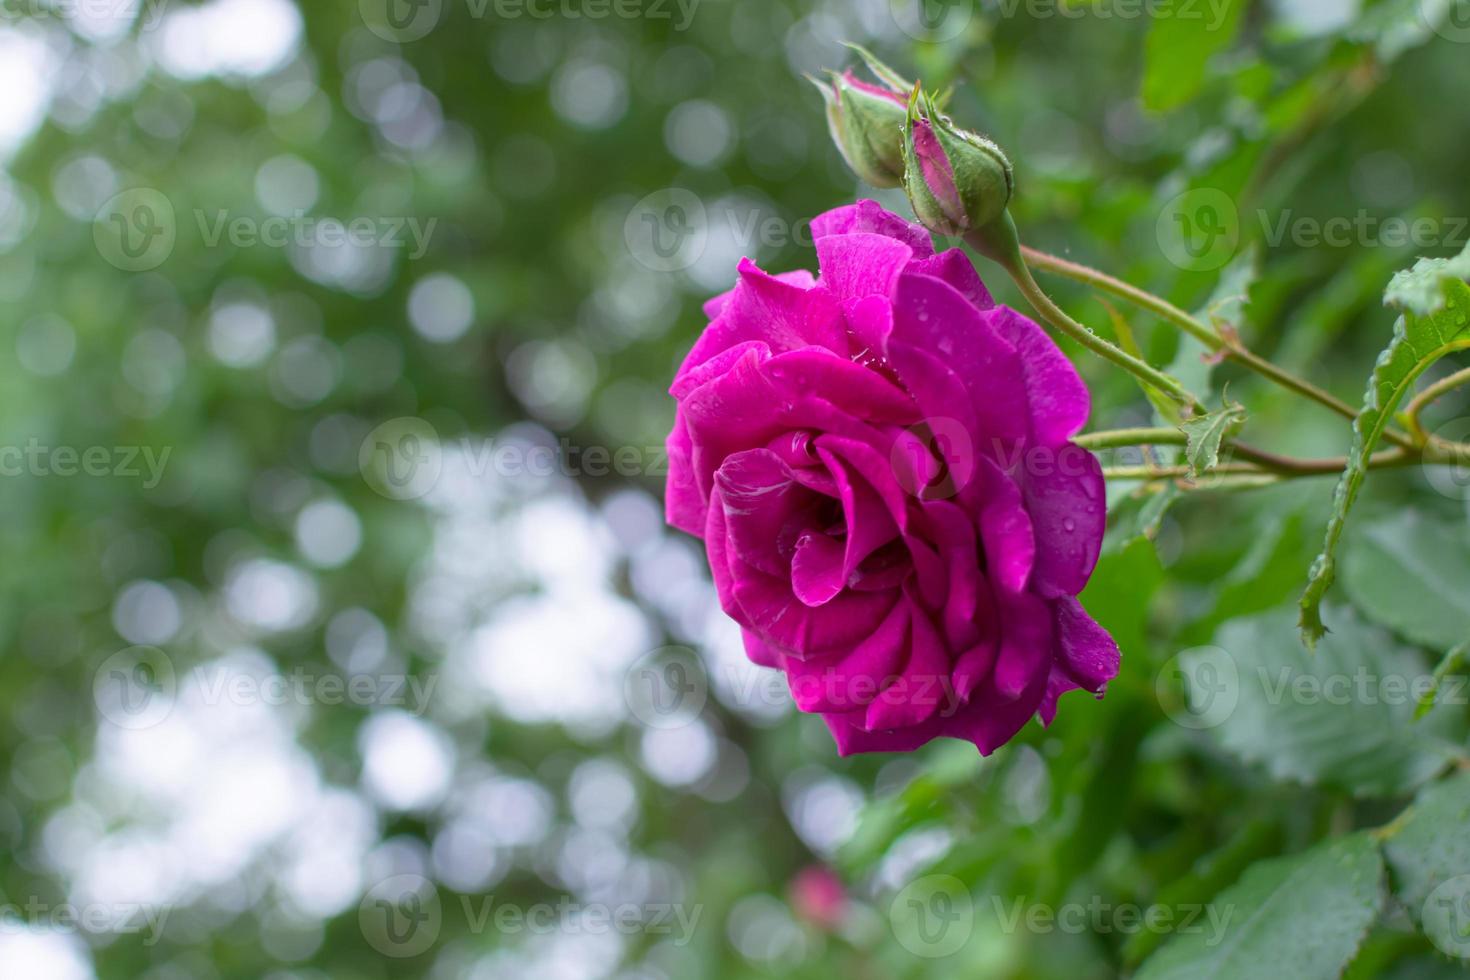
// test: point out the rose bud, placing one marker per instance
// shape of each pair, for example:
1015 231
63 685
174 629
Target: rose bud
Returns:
818 897
866 122
956 180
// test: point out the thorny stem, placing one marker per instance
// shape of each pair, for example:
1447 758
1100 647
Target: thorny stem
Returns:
1000 242
1229 346
1258 462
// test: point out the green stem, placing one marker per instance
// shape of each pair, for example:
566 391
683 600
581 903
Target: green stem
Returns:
1452 662
1268 464
999 242
1421 401
1201 331
1115 438
1260 460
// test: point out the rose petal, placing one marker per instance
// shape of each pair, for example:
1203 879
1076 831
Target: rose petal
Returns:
858 265
849 681
1064 493
930 316
922 688
1060 403
800 278
766 510
758 652
1026 645
955 268
870 216
1089 654
954 532
1005 528
817 574
777 311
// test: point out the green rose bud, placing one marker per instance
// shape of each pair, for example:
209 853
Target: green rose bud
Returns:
867 121
956 180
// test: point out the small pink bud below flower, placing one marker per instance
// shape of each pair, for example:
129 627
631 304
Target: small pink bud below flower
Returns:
817 896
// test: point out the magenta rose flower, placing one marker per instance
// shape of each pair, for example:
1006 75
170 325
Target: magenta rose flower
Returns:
879 462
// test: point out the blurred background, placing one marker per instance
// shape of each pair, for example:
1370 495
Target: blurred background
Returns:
340 633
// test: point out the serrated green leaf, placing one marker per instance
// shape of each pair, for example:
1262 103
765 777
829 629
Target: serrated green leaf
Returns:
1341 718
1179 47
1302 917
1412 574
1429 846
1421 289
1419 341
1205 434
